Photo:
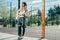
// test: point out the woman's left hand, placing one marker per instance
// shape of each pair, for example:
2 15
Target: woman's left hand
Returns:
27 13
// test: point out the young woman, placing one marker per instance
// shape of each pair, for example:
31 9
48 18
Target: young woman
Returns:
21 13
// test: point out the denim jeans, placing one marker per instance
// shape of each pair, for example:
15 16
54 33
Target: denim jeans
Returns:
21 25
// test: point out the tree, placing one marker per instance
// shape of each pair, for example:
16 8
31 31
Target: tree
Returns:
53 14
39 17
14 12
4 10
57 11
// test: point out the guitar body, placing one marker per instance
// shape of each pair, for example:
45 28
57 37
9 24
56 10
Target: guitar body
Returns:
21 14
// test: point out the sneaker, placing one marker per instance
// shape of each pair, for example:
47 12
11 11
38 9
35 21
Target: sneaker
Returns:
21 37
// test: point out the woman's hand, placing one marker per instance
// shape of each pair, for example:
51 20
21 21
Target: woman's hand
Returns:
27 13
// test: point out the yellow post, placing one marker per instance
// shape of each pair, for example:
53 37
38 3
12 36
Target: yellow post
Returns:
43 19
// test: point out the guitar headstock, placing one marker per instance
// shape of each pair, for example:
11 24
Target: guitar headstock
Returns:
34 9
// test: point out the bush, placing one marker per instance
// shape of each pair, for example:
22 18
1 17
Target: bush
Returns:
46 23
4 25
52 23
28 24
57 23
39 23
13 23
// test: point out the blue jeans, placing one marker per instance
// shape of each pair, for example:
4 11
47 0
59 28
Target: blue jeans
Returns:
21 25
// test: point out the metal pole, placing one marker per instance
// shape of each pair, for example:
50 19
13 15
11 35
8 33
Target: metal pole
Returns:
18 9
10 12
31 16
43 19
18 4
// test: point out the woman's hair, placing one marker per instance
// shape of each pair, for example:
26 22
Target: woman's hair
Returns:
25 3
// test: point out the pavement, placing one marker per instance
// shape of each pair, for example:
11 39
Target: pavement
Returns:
51 32
5 36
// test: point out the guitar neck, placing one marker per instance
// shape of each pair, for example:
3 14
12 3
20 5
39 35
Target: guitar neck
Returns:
33 10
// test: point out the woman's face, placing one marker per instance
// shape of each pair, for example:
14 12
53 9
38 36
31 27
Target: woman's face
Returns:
23 5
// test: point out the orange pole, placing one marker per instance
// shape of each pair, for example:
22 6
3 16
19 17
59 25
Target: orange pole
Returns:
43 18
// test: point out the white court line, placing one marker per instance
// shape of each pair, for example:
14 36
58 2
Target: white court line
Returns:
5 36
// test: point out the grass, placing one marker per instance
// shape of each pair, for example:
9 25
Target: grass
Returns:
34 25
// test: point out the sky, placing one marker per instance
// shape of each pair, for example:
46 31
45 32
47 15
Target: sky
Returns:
33 3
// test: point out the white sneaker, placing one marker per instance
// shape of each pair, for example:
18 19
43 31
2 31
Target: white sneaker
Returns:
21 37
